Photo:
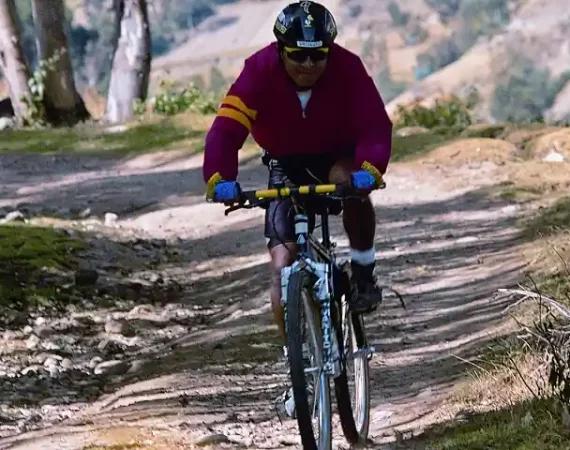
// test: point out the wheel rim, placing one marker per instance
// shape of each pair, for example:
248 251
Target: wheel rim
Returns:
357 377
321 398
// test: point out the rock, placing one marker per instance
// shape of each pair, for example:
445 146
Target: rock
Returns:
113 367
39 321
85 213
43 332
95 362
7 123
27 330
111 347
51 361
32 342
33 369
50 345
140 310
9 335
86 277
554 156
14 216
67 364
53 370
213 439
116 129
411 131
15 318
119 326
41 357
136 366
52 276
110 219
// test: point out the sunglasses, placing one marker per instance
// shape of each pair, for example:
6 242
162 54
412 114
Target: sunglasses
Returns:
300 55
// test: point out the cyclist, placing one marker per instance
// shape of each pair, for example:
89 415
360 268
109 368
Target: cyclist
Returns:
314 110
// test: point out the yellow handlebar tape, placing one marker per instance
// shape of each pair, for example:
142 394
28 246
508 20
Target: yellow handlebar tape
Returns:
303 190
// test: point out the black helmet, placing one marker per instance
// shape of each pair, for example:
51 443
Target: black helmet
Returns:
305 25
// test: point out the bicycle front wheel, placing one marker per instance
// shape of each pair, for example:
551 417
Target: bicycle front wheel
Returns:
303 320
352 386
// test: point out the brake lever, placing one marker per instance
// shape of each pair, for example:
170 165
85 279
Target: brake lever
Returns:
240 205
233 208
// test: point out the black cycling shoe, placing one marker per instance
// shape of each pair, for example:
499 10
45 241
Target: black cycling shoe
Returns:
365 294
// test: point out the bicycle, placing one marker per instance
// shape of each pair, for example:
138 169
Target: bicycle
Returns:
315 290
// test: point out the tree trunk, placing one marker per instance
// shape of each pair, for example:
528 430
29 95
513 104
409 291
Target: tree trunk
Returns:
131 62
13 62
63 104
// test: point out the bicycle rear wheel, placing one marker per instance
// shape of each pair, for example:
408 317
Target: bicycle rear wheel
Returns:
302 319
352 386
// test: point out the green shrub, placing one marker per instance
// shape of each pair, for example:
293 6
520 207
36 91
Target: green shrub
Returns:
399 18
451 114
445 8
170 102
482 16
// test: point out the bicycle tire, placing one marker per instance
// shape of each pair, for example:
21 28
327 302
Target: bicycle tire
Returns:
354 424
298 312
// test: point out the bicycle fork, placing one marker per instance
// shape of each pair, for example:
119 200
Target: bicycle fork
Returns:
321 292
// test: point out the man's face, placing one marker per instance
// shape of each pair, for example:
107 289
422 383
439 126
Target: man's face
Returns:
305 66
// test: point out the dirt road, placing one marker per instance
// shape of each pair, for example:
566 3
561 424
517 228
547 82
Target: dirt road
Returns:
208 364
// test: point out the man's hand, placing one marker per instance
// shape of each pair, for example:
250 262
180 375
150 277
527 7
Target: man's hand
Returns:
363 180
218 190
367 179
227 192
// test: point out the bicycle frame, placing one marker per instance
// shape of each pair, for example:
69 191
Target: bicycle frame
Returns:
317 258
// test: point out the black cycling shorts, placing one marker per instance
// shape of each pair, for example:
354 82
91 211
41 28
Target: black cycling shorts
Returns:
294 171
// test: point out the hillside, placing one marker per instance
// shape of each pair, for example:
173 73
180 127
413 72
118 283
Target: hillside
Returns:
538 31
394 47
415 48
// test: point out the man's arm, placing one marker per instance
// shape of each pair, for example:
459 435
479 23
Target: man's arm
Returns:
369 121
231 126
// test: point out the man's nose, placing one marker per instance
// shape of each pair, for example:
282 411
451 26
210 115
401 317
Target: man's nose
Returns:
308 63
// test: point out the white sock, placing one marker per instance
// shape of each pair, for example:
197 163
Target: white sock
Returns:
363 257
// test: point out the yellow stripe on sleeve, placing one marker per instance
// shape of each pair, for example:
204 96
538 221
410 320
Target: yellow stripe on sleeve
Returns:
236 115
236 102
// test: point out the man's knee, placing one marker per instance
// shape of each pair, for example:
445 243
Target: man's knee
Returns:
282 255
340 171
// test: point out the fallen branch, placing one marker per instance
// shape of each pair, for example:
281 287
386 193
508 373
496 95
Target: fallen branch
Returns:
527 295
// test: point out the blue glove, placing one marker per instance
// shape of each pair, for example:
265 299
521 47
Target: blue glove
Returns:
227 191
363 179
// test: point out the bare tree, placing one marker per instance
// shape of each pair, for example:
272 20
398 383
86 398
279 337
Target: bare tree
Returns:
131 61
13 62
63 104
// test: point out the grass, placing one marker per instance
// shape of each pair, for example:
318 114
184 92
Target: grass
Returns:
550 220
556 286
25 253
95 140
483 131
407 148
513 192
527 426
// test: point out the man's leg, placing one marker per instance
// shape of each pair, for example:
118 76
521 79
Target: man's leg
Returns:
280 234
280 230
359 222
281 256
